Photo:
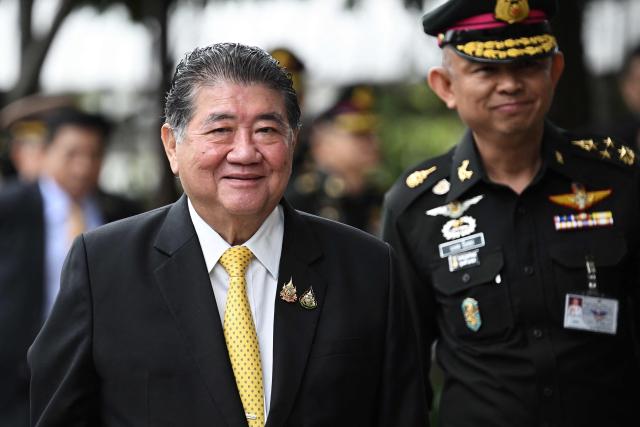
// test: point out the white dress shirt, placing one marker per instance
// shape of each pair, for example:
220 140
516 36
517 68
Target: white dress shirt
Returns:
261 277
57 206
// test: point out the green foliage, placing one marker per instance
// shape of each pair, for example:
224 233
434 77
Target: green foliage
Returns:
415 125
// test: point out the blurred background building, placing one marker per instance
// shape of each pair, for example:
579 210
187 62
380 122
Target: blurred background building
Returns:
115 57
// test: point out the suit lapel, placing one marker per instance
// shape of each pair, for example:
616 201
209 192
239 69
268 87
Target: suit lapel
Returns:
185 286
294 326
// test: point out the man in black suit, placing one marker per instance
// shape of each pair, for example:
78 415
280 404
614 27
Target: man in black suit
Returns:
228 308
36 223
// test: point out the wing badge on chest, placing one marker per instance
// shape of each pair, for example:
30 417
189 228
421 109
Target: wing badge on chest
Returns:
459 225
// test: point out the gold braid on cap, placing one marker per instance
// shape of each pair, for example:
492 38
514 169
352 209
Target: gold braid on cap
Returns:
509 48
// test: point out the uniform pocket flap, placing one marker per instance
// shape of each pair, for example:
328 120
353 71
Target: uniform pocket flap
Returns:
449 283
605 252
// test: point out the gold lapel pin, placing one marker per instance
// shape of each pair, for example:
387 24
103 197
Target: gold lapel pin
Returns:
418 177
308 299
463 173
559 158
288 292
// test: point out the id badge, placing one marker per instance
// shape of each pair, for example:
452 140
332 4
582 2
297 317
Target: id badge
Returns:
591 313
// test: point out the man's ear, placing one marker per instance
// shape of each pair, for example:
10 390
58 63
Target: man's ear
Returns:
557 66
169 143
439 80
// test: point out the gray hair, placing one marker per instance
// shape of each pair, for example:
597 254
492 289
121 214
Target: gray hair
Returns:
225 62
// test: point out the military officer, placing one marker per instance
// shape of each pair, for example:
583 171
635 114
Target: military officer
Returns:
499 237
338 181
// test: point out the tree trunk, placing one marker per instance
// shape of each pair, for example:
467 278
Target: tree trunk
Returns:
34 50
167 191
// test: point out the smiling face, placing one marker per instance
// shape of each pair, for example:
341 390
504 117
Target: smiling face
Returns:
498 99
234 158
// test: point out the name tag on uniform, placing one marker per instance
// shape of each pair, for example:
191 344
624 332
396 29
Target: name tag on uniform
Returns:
463 260
590 313
461 245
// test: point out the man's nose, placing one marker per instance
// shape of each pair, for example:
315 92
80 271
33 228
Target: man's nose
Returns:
244 149
509 82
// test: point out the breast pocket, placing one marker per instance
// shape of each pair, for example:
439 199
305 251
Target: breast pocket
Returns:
474 305
569 264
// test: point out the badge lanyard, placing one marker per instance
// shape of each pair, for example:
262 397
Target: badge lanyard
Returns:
592 281
591 310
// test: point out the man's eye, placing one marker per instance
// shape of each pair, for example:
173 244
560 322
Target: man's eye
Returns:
220 130
483 69
267 130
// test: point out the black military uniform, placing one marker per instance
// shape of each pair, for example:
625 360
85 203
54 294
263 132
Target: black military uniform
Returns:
532 299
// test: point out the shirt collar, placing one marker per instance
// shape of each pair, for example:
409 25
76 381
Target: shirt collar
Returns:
57 201
266 243
466 168
554 157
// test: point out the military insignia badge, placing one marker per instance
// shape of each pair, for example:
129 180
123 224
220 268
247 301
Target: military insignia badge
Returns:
585 144
583 220
580 199
308 299
471 313
441 188
627 155
454 209
288 292
460 227
512 11
418 177
463 173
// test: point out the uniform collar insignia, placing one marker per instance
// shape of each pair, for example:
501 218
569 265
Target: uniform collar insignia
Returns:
463 173
418 177
466 168
580 199
454 209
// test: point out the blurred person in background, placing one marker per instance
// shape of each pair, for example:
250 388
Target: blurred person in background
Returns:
38 221
298 73
498 237
26 148
338 183
24 127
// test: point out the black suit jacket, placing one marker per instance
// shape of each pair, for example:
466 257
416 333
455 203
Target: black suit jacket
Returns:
135 337
22 264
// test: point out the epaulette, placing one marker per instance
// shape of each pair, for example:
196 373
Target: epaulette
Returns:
603 148
416 180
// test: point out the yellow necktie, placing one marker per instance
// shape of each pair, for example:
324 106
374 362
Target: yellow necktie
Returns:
76 221
240 336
